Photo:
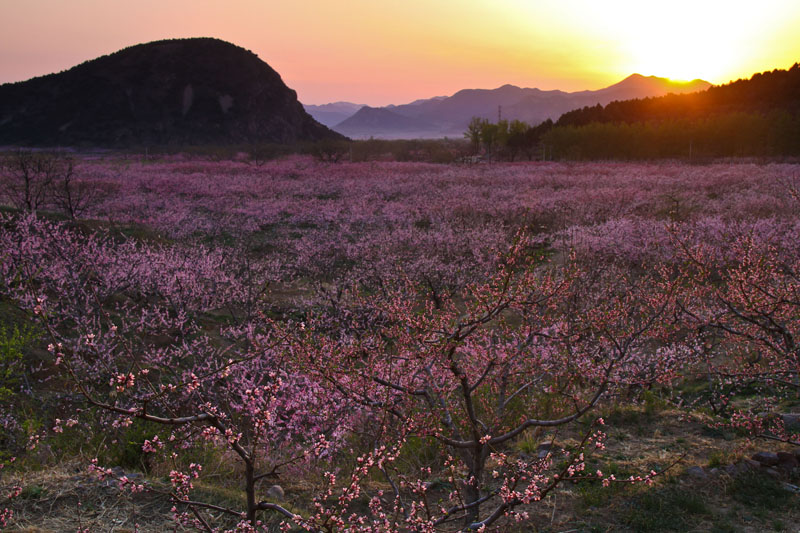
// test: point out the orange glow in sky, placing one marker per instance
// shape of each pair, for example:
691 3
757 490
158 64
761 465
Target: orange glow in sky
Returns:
389 51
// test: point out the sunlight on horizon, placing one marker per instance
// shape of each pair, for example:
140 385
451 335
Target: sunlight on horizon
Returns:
688 40
385 52
681 40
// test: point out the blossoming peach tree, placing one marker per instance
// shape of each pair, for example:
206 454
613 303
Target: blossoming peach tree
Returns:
124 319
530 349
743 302
405 409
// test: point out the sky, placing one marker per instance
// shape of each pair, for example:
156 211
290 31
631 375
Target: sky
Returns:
380 52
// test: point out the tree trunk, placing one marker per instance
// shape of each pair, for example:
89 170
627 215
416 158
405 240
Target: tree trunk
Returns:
472 488
250 489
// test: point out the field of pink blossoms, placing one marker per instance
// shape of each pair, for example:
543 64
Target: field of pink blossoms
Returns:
403 346
362 219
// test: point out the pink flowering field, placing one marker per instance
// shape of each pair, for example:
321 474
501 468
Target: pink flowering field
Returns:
384 346
323 220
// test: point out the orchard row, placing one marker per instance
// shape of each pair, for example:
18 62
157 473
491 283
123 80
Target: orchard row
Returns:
446 313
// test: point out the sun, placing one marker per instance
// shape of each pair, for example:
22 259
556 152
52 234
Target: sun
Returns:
673 45
684 58
688 39
685 41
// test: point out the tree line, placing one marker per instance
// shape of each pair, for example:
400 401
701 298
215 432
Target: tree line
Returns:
759 117
33 180
764 93
506 140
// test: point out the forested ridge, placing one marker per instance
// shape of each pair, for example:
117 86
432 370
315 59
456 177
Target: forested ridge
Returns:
765 92
757 117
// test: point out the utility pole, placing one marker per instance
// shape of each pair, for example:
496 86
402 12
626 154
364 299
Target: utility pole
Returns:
499 113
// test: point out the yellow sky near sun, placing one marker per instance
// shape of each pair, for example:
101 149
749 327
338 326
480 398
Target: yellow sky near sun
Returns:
379 52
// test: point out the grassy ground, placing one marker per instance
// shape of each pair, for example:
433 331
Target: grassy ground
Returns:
640 438
59 495
746 502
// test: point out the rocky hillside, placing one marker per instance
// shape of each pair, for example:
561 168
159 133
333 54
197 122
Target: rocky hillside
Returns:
173 92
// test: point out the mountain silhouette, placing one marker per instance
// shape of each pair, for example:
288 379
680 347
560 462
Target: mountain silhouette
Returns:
172 92
438 117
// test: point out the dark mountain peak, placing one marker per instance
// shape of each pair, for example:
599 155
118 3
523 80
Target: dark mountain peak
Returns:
333 113
373 114
177 91
503 90
659 85
369 121
421 101
335 105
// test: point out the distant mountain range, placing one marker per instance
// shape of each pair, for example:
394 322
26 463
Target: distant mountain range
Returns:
449 116
173 92
332 114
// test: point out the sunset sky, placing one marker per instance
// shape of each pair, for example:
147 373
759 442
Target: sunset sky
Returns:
380 52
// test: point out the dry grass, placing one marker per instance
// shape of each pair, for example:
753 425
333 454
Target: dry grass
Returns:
66 498
638 441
